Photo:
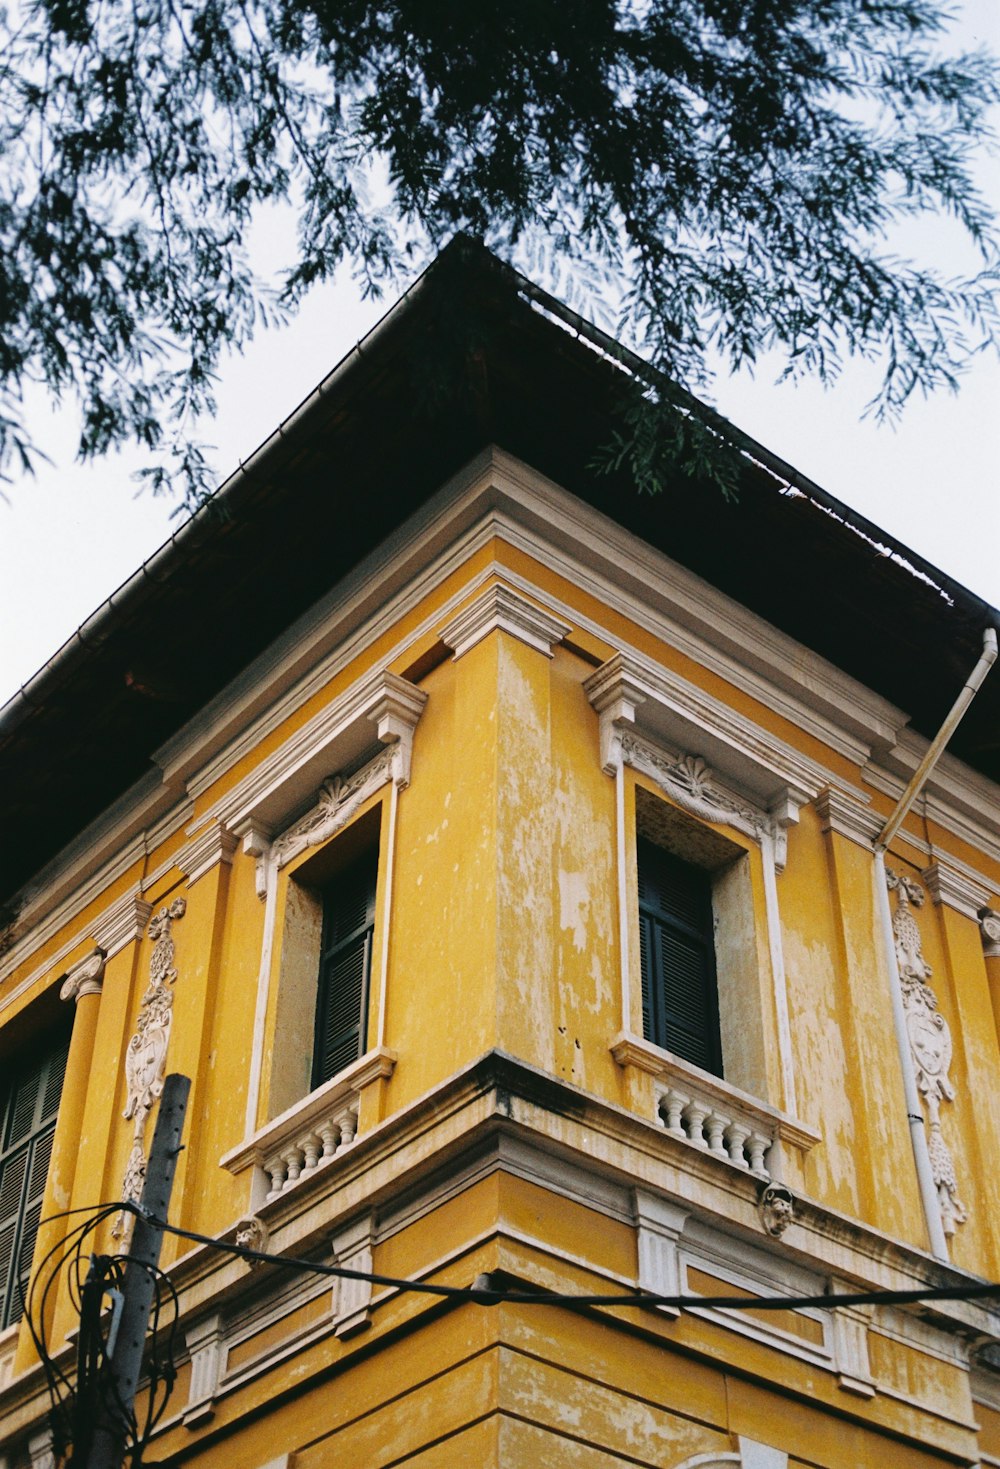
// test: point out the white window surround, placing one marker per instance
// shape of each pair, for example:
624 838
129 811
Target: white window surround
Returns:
639 711
266 810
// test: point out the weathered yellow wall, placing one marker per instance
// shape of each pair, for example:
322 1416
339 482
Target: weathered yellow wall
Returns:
504 935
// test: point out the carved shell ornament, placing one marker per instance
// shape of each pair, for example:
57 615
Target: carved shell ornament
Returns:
930 1042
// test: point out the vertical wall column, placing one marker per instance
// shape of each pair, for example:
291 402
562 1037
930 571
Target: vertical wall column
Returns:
976 1062
887 1194
81 987
524 822
206 863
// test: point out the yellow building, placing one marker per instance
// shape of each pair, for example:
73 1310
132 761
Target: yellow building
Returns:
498 853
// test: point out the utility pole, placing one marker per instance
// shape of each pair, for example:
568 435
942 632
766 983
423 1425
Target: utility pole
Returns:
107 1447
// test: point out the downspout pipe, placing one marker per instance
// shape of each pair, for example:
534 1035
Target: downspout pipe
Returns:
914 1108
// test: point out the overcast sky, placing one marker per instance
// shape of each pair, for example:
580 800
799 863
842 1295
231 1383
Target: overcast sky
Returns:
71 536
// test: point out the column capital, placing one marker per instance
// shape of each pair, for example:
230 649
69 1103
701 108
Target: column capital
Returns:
85 978
989 931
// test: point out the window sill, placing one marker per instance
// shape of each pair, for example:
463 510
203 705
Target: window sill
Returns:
705 1111
318 1128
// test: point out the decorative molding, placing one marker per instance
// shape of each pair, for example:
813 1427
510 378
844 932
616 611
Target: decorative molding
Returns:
122 923
338 799
335 738
777 1208
252 1233
352 1250
751 1455
146 1056
499 607
849 816
215 845
41 1450
693 786
631 690
955 890
930 1042
85 978
621 694
207 1346
850 1343
989 931
659 1226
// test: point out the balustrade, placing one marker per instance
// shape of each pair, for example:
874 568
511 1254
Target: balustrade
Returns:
717 1129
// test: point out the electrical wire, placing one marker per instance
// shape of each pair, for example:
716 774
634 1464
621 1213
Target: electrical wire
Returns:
488 1296
77 1406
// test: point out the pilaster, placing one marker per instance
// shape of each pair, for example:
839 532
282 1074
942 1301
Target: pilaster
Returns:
81 987
884 1178
965 991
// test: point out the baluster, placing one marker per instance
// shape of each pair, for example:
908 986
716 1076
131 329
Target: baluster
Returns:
293 1157
311 1147
349 1125
757 1146
275 1170
716 1127
736 1136
330 1133
672 1104
694 1116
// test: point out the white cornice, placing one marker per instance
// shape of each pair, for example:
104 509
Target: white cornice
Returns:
631 689
954 889
122 923
213 846
498 607
380 706
849 816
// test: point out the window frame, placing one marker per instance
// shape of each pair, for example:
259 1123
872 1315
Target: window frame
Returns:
662 1025
40 1135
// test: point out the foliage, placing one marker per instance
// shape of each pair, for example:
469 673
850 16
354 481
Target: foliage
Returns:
726 170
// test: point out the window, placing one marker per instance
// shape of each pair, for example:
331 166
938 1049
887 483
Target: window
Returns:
680 1001
345 969
28 1108
327 947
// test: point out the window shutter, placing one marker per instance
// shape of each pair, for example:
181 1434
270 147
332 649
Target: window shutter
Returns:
345 969
26 1137
677 958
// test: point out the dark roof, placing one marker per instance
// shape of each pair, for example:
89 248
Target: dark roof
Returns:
465 359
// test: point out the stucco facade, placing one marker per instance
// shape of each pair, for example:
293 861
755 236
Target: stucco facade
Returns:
496 706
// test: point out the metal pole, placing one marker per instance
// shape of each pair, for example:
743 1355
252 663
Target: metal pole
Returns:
126 1360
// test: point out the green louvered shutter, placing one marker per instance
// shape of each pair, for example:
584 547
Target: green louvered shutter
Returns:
30 1104
680 1008
345 969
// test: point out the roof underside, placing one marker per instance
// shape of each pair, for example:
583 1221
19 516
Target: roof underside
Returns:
466 362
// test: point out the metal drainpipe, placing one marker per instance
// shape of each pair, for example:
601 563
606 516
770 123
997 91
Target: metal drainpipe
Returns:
914 1109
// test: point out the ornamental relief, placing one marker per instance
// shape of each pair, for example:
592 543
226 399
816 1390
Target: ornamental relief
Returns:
930 1042
337 801
692 784
146 1056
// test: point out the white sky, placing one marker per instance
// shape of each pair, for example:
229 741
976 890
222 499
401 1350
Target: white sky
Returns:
72 535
